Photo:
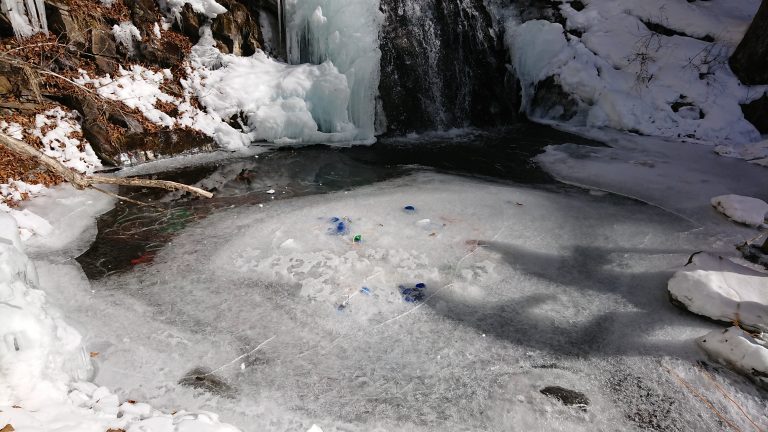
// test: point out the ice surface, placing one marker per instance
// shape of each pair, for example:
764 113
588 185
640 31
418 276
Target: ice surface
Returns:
747 210
525 288
345 33
714 286
738 349
679 177
624 76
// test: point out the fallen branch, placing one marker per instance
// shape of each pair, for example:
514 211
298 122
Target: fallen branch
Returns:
81 182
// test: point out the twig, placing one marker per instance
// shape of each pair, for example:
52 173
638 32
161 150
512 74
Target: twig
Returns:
82 182
698 395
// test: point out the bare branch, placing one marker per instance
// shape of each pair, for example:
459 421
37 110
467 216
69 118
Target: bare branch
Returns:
82 182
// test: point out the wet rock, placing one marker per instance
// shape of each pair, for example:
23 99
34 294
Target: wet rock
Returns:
201 378
552 102
566 396
437 62
756 112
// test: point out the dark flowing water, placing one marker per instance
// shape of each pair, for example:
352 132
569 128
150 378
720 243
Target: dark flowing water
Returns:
129 234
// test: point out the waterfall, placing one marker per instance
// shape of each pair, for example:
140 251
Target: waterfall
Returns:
27 18
345 33
443 66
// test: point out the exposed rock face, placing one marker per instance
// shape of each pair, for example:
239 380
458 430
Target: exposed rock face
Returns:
756 112
237 31
750 60
443 65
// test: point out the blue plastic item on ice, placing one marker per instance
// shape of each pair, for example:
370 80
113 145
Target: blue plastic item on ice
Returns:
338 226
413 294
365 290
409 209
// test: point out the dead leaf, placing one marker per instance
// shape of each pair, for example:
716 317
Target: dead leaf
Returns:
7 428
109 430
94 354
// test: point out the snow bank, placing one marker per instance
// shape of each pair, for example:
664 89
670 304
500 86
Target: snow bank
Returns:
746 210
738 349
345 33
623 76
39 353
715 287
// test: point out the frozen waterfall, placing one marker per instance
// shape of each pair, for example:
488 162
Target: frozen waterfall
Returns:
26 17
345 33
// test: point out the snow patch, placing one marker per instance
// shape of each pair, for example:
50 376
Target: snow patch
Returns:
61 135
738 349
747 210
716 287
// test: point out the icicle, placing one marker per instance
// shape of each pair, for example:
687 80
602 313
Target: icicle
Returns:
346 33
32 15
41 16
28 19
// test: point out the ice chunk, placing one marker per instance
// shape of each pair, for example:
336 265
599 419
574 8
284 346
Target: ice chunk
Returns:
742 209
715 287
738 349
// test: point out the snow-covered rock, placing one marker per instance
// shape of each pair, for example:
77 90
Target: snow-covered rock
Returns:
742 209
738 349
622 73
716 287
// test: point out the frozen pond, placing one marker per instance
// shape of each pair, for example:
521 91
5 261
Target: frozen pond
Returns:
268 310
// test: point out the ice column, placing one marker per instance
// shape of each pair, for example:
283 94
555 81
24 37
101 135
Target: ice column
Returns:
27 18
346 33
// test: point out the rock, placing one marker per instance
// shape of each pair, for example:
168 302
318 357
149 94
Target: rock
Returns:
201 378
737 349
5 86
566 396
552 102
189 23
756 112
238 29
742 209
722 290
61 22
103 43
144 14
